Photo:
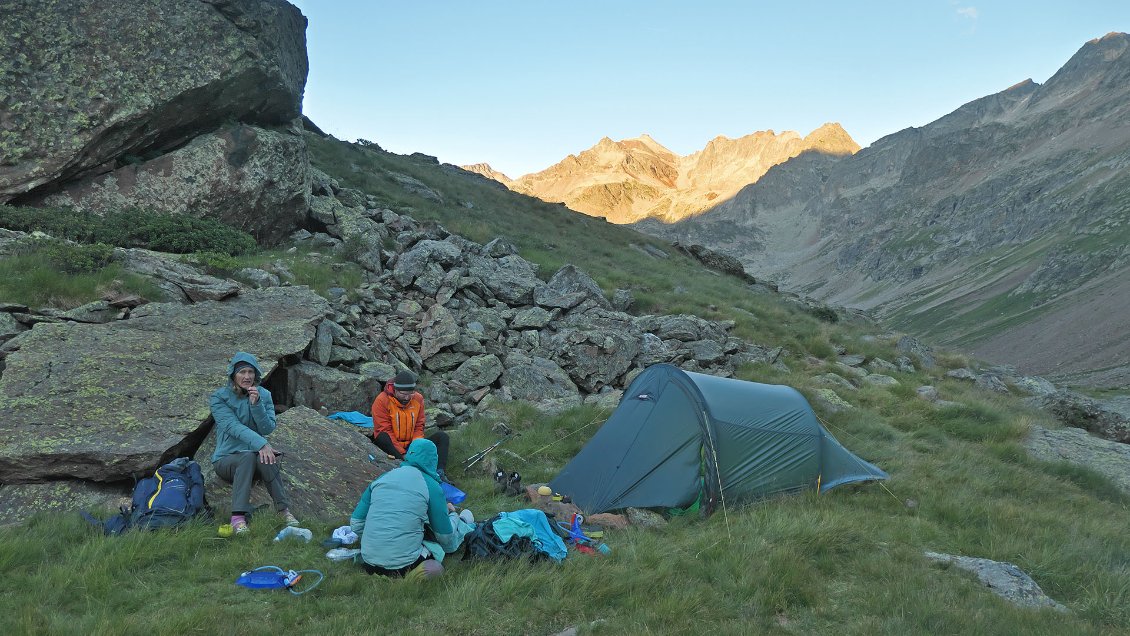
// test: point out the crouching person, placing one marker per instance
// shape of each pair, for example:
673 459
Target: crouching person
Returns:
394 512
245 415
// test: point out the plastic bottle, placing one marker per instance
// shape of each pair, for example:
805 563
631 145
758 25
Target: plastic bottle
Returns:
291 531
604 549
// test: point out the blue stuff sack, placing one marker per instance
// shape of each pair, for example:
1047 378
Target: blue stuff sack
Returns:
451 493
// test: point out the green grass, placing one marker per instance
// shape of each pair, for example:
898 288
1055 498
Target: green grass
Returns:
33 279
847 562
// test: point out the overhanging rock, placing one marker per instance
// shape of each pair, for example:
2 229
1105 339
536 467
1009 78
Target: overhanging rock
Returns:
107 401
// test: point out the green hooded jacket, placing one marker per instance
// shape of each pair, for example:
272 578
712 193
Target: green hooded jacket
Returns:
240 425
394 510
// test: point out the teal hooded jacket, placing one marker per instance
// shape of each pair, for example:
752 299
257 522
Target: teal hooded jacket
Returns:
240 425
394 510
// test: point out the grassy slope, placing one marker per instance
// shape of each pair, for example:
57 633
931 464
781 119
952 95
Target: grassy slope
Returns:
848 562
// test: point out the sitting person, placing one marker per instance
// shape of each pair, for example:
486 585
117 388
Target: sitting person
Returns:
399 419
397 508
245 415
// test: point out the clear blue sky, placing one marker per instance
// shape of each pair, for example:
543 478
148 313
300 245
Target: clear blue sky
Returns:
521 84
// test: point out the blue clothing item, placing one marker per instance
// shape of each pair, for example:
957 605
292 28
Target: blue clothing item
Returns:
532 523
245 358
394 509
240 425
353 417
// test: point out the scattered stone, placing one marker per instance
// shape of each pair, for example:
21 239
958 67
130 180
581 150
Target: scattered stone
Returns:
855 372
829 401
1004 579
834 380
928 393
645 518
880 380
992 383
912 346
962 374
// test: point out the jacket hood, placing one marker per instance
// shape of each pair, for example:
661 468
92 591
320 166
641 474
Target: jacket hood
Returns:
422 454
249 359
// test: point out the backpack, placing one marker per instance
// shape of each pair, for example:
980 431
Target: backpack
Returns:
168 499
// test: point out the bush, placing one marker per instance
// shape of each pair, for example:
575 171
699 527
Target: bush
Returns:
54 273
177 234
215 262
76 258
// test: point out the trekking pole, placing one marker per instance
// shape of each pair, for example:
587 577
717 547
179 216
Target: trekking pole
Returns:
474 459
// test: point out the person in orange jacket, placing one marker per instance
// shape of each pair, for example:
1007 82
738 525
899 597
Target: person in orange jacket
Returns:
399 419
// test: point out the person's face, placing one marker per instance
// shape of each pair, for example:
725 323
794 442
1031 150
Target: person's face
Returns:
403 395
245 378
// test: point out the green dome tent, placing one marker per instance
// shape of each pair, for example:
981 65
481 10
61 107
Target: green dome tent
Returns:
677 434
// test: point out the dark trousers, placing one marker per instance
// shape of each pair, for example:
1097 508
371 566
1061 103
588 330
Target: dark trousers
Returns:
241 470
439 438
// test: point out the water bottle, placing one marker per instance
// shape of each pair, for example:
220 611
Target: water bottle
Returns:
298 533
604 549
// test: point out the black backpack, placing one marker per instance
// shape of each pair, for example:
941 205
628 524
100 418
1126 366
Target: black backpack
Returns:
168 499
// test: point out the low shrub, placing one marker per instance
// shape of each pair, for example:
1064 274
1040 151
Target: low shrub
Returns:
53 273
75 258
177 234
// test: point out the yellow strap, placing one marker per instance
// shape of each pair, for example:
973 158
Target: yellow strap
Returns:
160 482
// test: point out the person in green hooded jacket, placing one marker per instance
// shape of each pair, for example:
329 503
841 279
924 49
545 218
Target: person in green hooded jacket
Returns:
245 415
394 512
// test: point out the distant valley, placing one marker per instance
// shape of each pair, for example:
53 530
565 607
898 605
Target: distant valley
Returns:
1001 228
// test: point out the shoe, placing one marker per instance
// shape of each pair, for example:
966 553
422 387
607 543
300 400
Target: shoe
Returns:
443 476
239 526
290 519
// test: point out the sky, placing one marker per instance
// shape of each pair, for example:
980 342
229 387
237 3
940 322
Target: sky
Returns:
522 84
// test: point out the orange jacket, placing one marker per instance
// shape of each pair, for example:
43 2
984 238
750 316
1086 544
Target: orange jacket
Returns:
402 422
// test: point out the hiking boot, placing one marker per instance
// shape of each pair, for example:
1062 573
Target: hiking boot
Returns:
290 519
443 476
239 526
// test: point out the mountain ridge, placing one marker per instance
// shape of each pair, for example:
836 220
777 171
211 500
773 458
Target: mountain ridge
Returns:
632 179
999 214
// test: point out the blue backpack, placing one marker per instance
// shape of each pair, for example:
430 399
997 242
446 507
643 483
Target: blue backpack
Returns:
168 499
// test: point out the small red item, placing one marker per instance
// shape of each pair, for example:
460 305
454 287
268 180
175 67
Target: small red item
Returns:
585 549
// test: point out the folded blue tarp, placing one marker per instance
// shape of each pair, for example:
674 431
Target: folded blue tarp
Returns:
353 417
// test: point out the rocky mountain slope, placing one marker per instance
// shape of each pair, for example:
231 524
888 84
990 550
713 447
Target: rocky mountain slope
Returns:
1002 227
625 181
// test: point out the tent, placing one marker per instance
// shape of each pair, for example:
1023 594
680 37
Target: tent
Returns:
678 434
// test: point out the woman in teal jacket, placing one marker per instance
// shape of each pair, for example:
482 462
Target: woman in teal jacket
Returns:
245 415
394 511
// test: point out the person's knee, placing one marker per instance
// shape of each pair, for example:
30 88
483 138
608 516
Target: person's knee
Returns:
438 435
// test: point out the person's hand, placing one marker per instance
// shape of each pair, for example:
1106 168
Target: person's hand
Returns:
253 396
450 507
267 455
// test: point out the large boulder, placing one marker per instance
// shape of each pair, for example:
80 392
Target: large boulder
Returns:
109 401
81 99
180 281
325 465
315 386
251 178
